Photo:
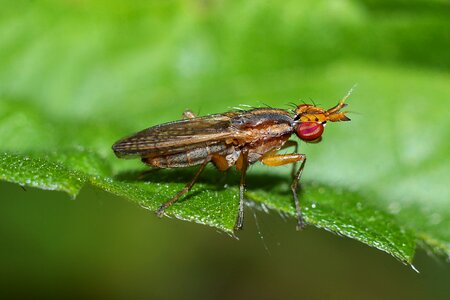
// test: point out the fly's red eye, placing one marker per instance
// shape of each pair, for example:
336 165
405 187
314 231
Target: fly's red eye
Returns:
309 131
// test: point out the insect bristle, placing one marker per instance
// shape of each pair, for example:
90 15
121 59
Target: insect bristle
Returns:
291 104
242 107
266 105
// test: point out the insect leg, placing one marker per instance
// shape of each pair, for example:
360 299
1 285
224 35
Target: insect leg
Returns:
274 160
294 184
290 143
188 114
295 145
186 189
243 169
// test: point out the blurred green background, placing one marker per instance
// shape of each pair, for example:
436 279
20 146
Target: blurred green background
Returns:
104 69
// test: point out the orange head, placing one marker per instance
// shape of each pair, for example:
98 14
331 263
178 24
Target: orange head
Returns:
310 120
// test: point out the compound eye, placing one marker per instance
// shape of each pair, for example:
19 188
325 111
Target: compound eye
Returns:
309 131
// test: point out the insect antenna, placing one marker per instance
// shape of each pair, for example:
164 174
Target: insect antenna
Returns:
348 93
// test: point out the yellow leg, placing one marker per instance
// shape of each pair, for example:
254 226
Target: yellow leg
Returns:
272 159
220 162
295 145
276 160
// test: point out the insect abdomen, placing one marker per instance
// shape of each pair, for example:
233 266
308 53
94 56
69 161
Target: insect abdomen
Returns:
187 158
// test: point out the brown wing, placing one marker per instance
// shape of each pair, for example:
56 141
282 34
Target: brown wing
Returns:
176 136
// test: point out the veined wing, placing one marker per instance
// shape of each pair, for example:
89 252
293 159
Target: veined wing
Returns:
176 136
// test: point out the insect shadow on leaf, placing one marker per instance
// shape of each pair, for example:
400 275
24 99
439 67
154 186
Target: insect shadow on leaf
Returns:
210 176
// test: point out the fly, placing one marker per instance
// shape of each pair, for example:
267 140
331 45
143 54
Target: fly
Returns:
235 138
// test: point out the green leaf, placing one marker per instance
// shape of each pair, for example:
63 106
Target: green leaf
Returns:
75 77
40 173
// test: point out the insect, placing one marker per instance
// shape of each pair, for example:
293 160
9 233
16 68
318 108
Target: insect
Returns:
235 138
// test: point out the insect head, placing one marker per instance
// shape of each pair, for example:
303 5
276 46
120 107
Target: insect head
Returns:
310 120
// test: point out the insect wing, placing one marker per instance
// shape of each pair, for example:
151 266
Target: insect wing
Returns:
176 136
